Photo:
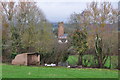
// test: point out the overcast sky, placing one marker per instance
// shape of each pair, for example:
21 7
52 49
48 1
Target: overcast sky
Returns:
60 10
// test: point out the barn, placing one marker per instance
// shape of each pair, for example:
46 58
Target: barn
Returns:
27 59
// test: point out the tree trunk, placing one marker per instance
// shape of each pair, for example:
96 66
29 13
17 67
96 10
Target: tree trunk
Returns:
100 63
110 62
80 59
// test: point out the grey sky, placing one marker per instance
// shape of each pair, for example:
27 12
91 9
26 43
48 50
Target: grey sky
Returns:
60 11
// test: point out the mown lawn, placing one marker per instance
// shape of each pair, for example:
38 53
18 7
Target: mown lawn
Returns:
12 71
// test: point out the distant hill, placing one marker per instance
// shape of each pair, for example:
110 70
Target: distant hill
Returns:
72 26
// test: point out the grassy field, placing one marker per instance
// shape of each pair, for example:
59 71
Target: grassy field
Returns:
73 59
12 71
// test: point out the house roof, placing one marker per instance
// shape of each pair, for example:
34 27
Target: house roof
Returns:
64 36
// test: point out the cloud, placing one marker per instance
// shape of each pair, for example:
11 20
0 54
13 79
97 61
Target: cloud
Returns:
60 11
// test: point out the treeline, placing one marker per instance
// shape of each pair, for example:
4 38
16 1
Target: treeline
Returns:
25 29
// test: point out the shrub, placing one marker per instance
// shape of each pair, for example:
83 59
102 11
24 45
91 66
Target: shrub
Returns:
13 55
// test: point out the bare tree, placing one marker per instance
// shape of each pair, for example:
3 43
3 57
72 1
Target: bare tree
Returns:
97 19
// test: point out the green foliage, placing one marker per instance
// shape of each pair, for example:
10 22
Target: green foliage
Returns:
113 64
79 43
89 61
13 55
15 39
72 59
65 57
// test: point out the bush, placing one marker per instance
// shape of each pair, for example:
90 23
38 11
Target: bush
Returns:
89 61
72 60
13 55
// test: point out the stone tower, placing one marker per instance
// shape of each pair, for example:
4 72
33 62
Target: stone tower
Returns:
60 29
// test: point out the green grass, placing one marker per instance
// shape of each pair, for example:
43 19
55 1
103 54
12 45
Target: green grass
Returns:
12 71
73 59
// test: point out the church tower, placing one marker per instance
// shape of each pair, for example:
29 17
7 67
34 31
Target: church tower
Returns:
60 29
62 38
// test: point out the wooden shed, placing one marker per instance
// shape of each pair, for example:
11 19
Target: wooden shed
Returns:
27 59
